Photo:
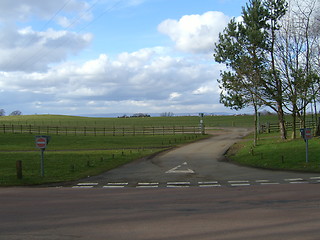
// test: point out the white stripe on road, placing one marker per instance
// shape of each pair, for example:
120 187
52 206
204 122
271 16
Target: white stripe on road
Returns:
270 183
240 184
293 179
147 185
82 187
209 185
87 184
240 181
178 184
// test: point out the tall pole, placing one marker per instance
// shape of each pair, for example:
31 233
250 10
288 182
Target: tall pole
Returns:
42 162
201 123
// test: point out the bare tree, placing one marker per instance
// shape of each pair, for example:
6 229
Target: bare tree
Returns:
16 113
296 43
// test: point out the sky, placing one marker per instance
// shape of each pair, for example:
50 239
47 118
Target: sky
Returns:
95 57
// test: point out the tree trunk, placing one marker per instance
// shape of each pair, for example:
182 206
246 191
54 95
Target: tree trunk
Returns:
282 125
294 118
255 133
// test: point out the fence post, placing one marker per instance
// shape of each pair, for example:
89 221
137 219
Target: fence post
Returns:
19 169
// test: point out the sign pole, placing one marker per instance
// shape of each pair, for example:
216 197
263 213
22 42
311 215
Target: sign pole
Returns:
41 142
307 150
201 123
42 162
306 133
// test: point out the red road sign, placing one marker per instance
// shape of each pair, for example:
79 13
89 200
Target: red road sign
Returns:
308 133
41 142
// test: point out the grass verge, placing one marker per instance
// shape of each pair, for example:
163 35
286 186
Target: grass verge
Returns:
272 153
70 158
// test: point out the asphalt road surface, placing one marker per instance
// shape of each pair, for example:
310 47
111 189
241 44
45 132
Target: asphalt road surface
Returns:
285 211
196 164
184 194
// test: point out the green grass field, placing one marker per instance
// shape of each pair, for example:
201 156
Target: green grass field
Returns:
273 153
73 157
59 120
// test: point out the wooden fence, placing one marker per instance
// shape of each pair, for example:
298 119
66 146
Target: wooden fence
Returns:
99 131
274 127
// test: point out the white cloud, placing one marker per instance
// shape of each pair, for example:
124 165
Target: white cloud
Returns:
155 82
174 95
34 51
195 33
25 48
157 79
21 10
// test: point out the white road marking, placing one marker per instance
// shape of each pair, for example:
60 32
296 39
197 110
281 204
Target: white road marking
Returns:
298 182
210 182
262 181
113 186
210 185
175 169
82 186
269 183
178 184
315 178
293 179
117 183
147 185
240 181
87 184
240 184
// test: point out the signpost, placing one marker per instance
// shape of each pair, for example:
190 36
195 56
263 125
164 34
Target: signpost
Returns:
306 133
41 143
201 123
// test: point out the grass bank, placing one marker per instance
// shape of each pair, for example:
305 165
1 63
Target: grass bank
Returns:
273 153
73 157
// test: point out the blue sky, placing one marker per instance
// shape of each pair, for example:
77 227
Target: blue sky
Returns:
81 57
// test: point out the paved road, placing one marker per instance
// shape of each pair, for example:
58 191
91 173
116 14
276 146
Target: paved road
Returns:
283 211
214 211
196 164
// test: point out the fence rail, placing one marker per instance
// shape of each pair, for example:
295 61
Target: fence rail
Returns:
98 131
274 127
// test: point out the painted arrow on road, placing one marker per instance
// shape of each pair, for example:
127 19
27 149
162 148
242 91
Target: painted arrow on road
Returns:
178 169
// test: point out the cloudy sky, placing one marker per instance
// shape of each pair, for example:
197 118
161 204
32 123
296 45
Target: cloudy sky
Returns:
81 57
